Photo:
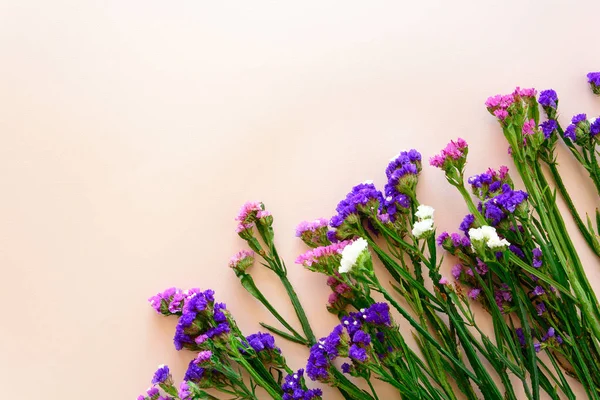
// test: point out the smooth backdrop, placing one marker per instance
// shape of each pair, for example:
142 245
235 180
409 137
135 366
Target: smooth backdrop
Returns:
132 131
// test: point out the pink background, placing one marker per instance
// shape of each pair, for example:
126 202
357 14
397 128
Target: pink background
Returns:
132 131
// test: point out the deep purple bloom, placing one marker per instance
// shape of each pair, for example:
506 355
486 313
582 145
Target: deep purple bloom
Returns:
570 132
361 337
537 257
517 251
378 314
548 98
194 372
595 128
261 341
594 78
467 223
360 195
218 314
442 237
540 308
357 353
548 127
161 374
220 329
474 293
346 368
578 118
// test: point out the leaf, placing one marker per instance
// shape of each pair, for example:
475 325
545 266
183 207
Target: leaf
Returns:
283 334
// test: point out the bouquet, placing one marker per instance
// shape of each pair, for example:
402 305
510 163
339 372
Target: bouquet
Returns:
511 254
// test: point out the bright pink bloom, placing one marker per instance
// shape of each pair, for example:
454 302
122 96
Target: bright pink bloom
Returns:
531 92
310 226
501 114
248 209
443 281
503 171
529 127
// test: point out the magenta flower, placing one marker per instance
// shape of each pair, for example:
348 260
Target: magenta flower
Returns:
320 255
529 127
454 151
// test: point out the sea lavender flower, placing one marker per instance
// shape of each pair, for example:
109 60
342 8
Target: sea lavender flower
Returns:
322 258
161 375
247 216
313 233
594 81
540 308
160 302
538 291
595 127
262 341
357 353
549 127
520 336
184 392
488 236
453 155
194 373
537 257
294 388
570 132
363 197
350 255
241 261
548 99
529 127
474 293
402 173
323 353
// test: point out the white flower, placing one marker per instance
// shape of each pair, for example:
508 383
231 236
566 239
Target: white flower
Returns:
350 254
488 235
422 227
424 212
494 243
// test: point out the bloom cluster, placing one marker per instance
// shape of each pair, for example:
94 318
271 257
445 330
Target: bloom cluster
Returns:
294 388
313 233
594 81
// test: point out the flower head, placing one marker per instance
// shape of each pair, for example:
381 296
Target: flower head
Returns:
549 127
594 81
321 258
294 388
350 254
241 261
488 235
548 99
161 375
313 233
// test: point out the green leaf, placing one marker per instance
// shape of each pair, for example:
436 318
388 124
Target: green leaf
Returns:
284 335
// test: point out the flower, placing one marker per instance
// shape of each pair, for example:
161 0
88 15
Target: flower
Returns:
248 215
241 261
261 341
538 291
194 372
594 127
578 118
294 389
467 223
357 353
537 257
161 374
350 254
321 255
529 127
203 357
549 127
443 281
548 98
310 226
421 228
594 81
489 236
454 151
570 133
424 212
184 392
474 293
362 197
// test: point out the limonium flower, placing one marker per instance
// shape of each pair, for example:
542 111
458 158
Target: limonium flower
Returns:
549 127
424 225
453 153
161 375
262 341
548 98
529 127
184 392
594 127
362 197
424 212
320 258
294 388
241 261
488 235
313 233
402 174
350 254
594 81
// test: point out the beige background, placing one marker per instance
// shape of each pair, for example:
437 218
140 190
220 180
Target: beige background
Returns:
131 132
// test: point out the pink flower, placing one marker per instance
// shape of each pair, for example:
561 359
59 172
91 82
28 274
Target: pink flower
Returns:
437 161
453 150
314 256
529 127
531 92
503 171
311 226
493 101
248 210
263 214
443 281
501 114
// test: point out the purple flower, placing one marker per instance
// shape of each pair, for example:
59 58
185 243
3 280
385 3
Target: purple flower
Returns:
184 391
378 314
361 337
594 78
161 374
578 118
474 293
220 329
517 251
357 353
456 271
203 357
537 257
570 132
346 368
443 236
595 127
467 223
360 195
548 127
293 388
152 391
218 314
537 347
548 98
194 372
538 291
540 308
261 341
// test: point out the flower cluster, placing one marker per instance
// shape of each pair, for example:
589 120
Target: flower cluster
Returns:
488 236
242 261
548 99
323 258
313 233
363 197
594 81
486 184
350 255
508 201
423 227
294 388
402 175
341 295
454 155
349 339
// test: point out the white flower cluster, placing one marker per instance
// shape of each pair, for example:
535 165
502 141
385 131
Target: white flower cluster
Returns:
488 235
350 254
425 223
